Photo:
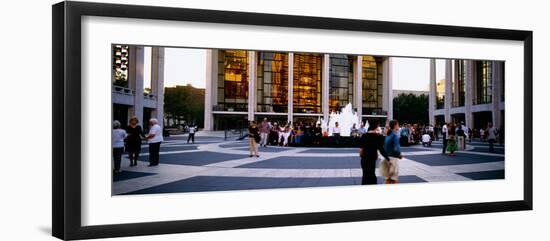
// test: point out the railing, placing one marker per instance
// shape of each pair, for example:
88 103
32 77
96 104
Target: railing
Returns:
231 107
374 111
149 96
123 90
238 134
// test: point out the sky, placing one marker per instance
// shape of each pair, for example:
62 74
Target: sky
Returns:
188 66
184 66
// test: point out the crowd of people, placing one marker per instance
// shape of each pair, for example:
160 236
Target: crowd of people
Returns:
455 136
129 140
372 141
287 133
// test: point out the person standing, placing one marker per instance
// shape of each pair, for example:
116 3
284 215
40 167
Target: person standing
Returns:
336 133
444 133
253 136
287 131
461 138
133 140
491 136
192 130
265 128
372 142
154 138
362 130
390 169
451 140
117 141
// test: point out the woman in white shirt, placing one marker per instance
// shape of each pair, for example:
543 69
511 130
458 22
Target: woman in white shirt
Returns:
117 142
154 138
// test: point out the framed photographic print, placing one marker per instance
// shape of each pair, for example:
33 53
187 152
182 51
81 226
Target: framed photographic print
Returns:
169 120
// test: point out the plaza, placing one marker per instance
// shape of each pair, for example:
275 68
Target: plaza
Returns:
212 164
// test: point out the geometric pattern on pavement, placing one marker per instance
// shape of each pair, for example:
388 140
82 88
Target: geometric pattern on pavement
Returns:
212 164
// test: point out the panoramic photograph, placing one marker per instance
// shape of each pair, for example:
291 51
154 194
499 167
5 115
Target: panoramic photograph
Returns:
202 120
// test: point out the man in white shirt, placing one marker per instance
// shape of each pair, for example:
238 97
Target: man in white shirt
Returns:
426 140
191 136
154 138
336 133
466 131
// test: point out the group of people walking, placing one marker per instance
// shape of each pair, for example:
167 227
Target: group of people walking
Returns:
130 138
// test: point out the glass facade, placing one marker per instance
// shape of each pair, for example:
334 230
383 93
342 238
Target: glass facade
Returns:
272 82
483 82
372 85
459 86
340 81
307 83
232 80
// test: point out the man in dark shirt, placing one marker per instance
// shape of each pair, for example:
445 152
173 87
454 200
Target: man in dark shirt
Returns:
371 143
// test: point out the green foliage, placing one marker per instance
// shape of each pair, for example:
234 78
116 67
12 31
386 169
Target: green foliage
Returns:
184 104
409 108
121 79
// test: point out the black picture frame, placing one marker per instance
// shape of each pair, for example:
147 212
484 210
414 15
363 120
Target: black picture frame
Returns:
66 170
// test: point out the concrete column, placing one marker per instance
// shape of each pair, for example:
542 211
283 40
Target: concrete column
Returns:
433 92
387 87
157 82
325 86
211 90
251 84
290 86
469 84
455 89
358 86
497 81
135 81
448 88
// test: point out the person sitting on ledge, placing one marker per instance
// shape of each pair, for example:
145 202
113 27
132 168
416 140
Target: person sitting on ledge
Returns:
426 140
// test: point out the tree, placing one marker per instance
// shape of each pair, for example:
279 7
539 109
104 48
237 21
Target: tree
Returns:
409 108
184 104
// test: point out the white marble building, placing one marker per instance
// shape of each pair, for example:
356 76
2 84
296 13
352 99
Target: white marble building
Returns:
132 100
473 92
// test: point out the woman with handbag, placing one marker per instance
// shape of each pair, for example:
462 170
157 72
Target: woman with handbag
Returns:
390 169
253 138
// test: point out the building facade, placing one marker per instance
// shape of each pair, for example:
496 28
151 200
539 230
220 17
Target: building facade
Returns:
129 95
299 87
471 91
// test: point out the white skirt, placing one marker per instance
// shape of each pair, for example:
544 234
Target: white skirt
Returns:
390 170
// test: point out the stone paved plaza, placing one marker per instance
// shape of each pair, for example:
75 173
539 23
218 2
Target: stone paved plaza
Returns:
212 164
